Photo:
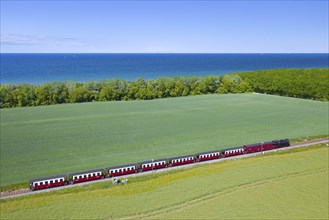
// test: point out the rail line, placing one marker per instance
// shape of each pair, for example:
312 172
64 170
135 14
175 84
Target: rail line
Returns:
27 191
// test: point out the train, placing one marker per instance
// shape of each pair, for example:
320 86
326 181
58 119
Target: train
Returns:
150 165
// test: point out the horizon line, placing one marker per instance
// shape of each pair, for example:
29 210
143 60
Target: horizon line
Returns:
166 53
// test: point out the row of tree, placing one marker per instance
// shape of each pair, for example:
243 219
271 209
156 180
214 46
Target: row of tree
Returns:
301 83
298 83
117 89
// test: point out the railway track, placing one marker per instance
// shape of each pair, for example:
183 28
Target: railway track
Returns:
27 191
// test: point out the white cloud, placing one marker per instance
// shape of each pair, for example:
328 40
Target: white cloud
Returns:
20 39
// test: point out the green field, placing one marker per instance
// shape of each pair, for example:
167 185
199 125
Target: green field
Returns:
284 185
42 141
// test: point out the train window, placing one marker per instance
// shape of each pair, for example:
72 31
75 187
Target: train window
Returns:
51 181
80 176
35 184
56 181
111 171
41 183
84 176
46 182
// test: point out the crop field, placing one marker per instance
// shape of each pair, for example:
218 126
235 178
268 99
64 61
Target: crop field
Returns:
50 140
290 184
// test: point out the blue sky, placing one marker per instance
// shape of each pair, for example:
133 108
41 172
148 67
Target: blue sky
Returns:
164 26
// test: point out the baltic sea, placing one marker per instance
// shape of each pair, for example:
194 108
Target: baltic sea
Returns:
40 68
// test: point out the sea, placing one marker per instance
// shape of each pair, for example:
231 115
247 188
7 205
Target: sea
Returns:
40 68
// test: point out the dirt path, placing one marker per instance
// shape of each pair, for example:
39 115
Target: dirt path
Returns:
23 192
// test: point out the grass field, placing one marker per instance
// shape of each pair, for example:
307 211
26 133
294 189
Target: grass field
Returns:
282 185
42 141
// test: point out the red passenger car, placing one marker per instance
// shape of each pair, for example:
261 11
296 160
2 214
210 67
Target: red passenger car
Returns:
48 182
229 152
252 148
153 164
176 161
121 170
208 155
86 176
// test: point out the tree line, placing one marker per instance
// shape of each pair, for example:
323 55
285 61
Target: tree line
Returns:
300 83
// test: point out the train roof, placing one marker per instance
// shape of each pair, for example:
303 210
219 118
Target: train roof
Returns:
281 140
120 166
257 144
209 152
47 178
88 171
152 161
173 158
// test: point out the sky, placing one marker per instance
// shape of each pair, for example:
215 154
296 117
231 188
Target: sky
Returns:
275 26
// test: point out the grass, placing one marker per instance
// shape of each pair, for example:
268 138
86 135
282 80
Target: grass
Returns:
284 185
50 140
